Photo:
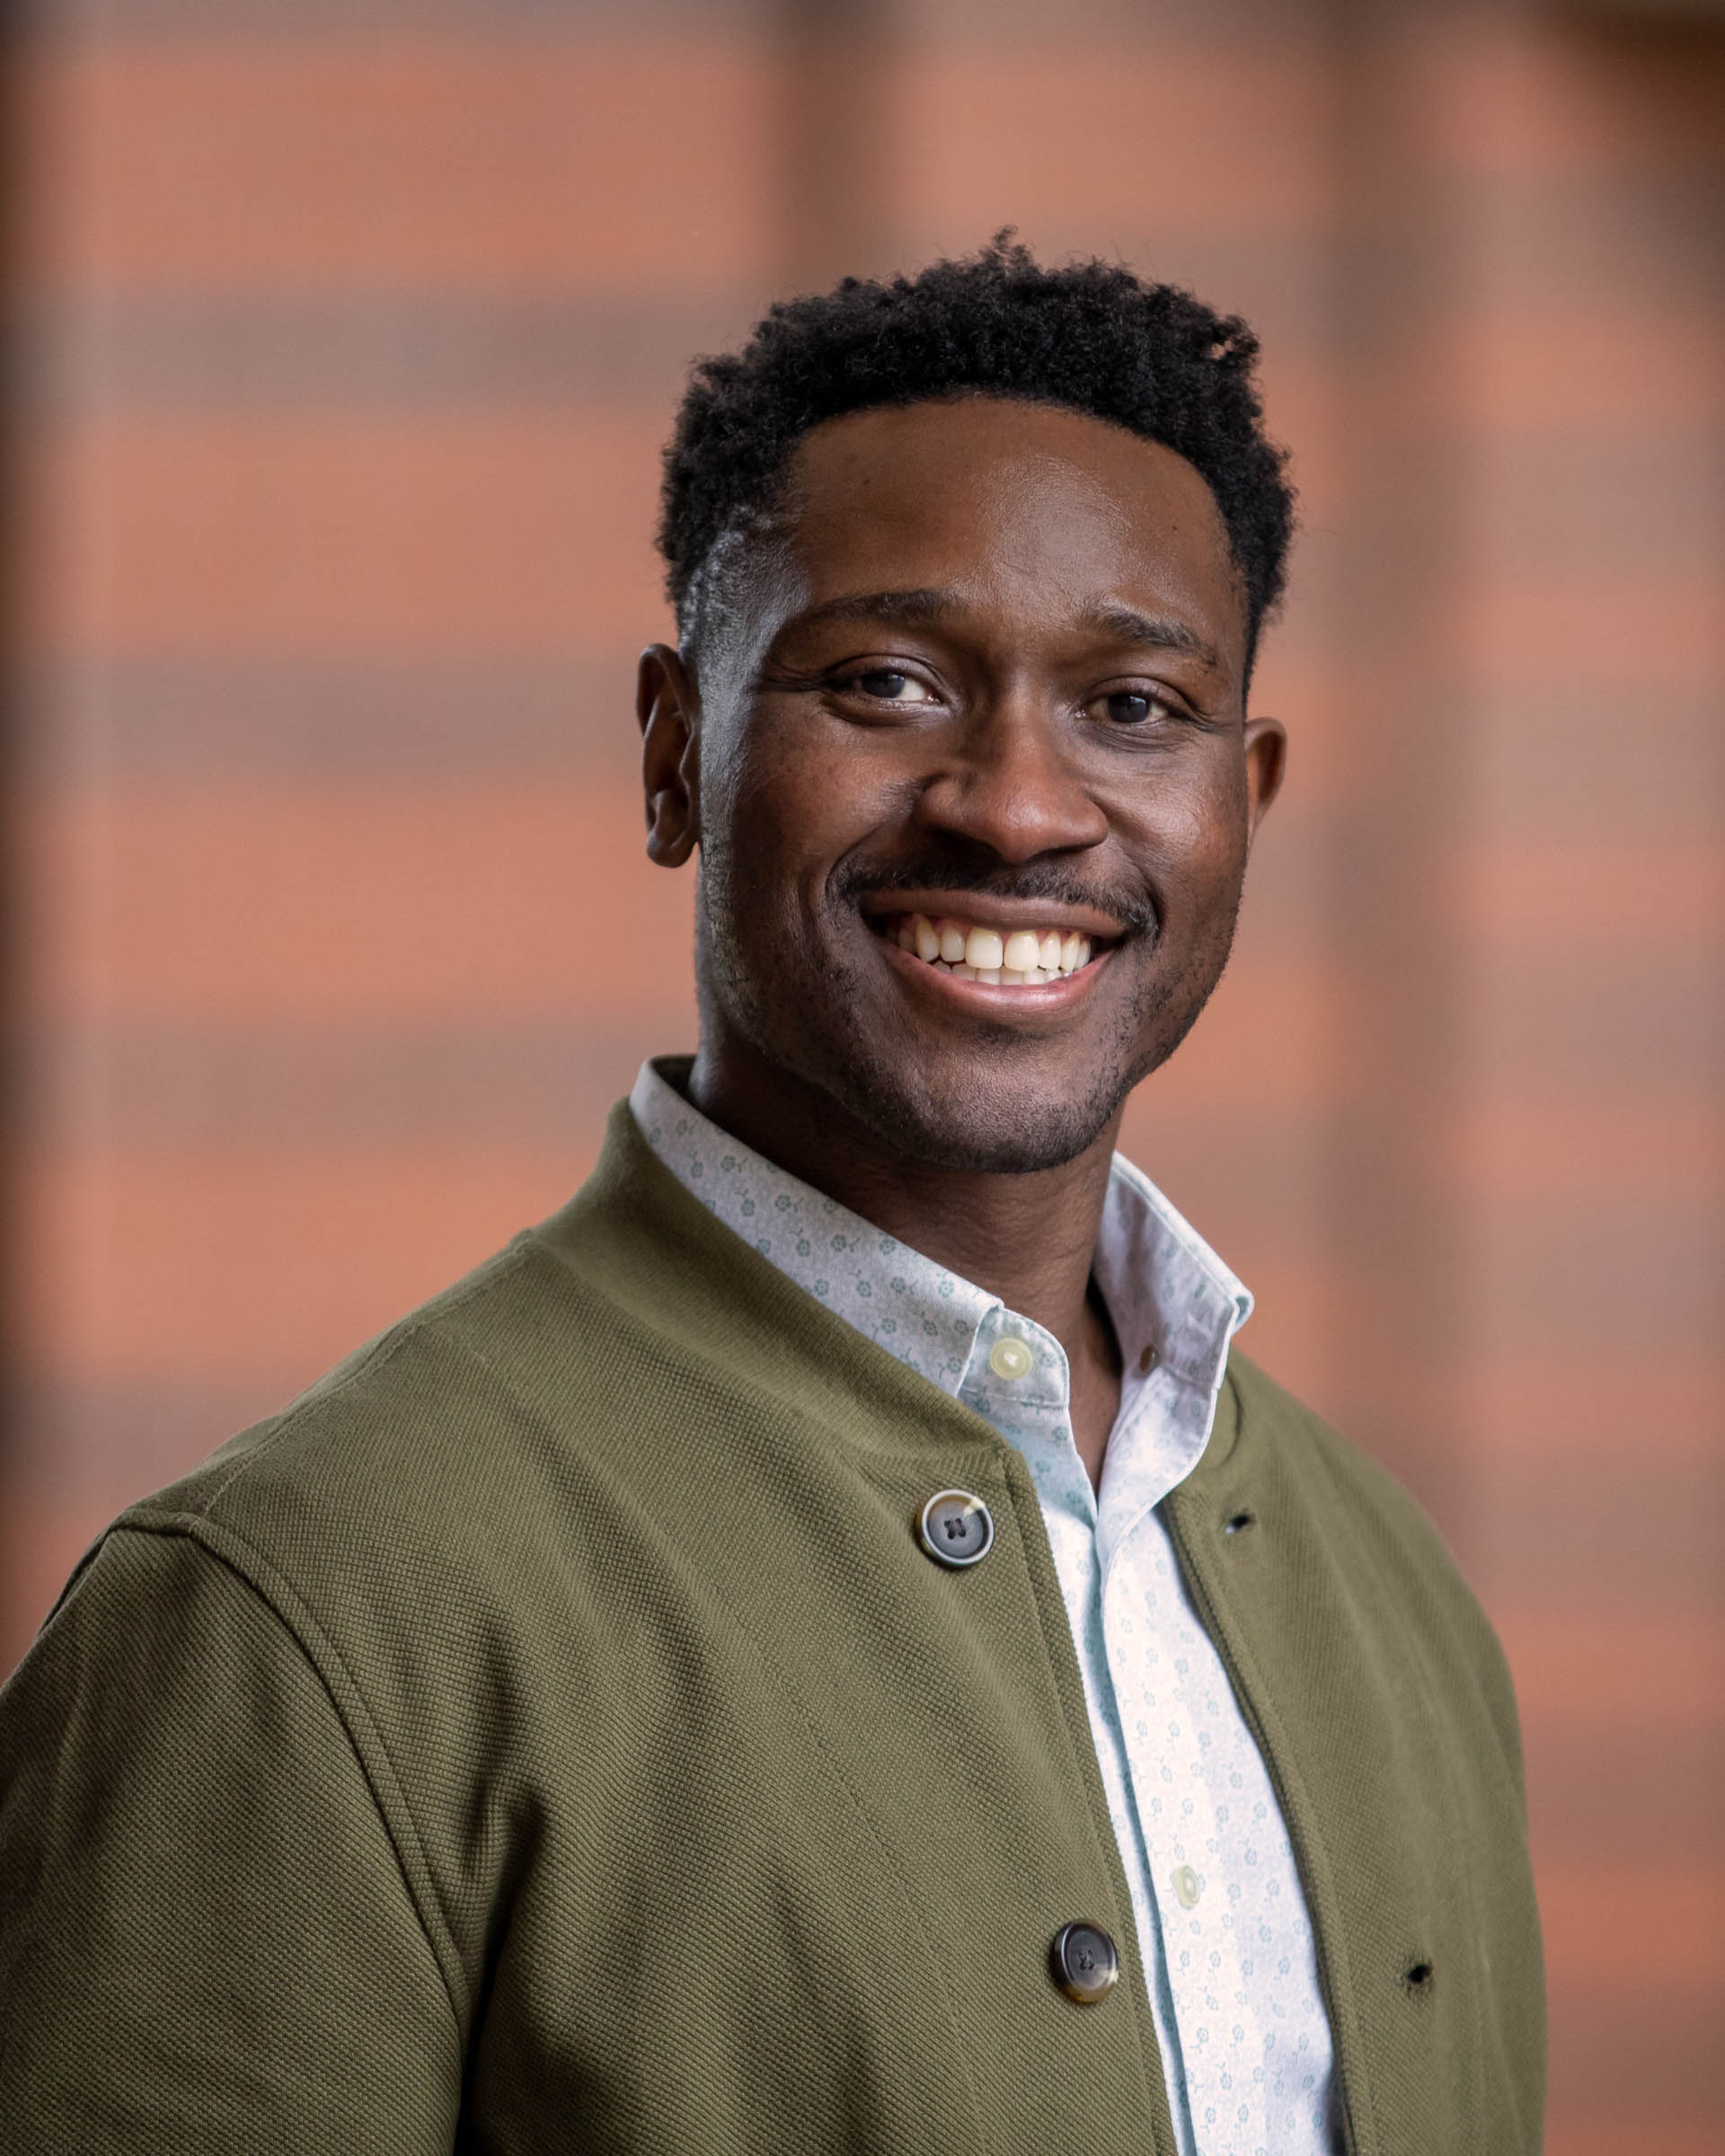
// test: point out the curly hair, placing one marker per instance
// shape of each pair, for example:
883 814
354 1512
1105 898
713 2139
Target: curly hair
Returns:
1091 337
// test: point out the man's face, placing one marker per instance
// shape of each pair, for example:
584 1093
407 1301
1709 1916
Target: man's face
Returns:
987 685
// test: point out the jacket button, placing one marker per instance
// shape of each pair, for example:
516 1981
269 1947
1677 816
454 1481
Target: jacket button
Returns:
1086 1965
956 1528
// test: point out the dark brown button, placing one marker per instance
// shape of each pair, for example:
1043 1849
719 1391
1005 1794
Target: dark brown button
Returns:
1086 1965
956 1527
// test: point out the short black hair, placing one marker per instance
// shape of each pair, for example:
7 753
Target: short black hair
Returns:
1089 336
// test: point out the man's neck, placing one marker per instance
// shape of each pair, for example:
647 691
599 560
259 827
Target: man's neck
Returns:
1028 1238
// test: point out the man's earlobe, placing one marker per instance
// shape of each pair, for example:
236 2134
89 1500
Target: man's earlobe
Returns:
670 755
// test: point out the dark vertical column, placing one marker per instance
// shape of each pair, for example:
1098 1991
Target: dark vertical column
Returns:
14 29
836 206
1399 274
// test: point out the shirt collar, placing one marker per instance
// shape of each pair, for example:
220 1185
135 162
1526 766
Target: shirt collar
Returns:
1173 1304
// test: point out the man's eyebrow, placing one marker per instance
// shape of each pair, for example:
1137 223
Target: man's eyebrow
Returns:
928 607
1124 625
920 609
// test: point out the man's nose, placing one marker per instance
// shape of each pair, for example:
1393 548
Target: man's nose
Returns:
1008 786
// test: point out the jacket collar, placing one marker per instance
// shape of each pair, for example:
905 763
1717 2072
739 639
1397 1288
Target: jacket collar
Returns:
734 1305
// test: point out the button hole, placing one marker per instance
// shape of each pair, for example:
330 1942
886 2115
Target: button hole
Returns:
1417 1976
1238 1521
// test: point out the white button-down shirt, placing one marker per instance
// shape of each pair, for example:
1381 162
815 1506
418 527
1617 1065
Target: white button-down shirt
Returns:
1223 1928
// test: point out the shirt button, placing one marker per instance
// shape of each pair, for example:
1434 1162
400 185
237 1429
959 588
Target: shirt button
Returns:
1187 1888
1085 1964
1009 1357
1148 1360
956 1527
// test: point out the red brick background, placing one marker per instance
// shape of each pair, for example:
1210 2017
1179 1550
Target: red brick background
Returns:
346 338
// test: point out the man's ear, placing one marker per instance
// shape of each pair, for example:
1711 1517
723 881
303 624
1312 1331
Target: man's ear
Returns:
1266 762
667 708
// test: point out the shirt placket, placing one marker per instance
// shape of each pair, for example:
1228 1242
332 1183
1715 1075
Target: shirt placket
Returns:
1143 1619
1037 1419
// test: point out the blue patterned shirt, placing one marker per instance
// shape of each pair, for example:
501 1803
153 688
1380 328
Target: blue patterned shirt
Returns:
1223 1928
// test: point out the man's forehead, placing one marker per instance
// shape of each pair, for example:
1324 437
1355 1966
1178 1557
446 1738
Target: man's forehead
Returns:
981 444
987 496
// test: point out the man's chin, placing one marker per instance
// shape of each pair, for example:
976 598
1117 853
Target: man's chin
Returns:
968 1130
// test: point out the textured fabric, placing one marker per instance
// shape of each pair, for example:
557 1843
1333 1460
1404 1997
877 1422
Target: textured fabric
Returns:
549 1734
1230 1964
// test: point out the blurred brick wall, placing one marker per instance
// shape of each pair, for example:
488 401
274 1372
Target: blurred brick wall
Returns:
346 338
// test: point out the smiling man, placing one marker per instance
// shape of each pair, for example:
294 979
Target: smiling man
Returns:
825 1644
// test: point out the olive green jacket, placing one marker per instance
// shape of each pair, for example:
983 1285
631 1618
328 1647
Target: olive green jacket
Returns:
548 1734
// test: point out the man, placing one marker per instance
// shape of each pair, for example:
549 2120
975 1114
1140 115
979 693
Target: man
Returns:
825 1644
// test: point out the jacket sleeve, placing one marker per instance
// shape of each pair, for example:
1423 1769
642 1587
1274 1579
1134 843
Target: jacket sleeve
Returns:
206 1942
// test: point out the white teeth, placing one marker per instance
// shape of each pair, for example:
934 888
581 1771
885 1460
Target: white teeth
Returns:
1020 952
984 947
1024 959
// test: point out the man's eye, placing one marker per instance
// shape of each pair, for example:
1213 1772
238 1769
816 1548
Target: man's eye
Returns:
1132 707
886 686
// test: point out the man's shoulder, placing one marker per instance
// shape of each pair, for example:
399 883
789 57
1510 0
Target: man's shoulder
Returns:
452 1497
528 1419
417 1468
1364 1526
386 1450
510 1428
1278 1437
1277 1431
547 1333
1308 1447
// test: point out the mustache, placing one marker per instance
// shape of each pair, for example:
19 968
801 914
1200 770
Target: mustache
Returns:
1046 880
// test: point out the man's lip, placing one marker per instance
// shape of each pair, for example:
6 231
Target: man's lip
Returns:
982 911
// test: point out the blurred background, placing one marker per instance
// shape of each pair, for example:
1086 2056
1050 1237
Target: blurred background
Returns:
345 336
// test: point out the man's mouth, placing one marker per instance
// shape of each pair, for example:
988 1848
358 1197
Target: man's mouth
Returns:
998 958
